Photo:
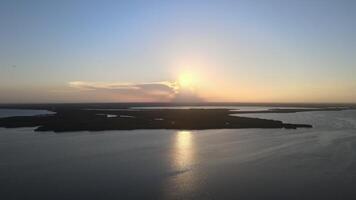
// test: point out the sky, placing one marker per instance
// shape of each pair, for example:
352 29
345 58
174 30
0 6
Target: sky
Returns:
183 50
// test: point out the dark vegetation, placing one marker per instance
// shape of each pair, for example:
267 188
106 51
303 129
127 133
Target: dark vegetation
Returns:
77 117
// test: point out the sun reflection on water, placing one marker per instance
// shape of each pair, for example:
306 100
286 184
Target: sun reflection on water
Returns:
183 150
182 158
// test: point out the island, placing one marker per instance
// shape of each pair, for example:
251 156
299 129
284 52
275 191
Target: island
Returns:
98 120
100 117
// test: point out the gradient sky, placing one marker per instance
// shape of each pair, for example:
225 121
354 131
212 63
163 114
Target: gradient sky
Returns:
244 51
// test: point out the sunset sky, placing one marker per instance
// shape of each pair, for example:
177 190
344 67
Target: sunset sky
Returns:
184 50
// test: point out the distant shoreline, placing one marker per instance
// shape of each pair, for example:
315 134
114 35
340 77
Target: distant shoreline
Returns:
50 106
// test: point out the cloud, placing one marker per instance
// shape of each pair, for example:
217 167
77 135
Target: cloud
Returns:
151 91
119 86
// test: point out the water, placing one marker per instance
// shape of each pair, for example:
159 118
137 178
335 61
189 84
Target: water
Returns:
316 163
22 112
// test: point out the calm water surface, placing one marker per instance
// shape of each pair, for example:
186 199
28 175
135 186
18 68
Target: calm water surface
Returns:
22 112
318 163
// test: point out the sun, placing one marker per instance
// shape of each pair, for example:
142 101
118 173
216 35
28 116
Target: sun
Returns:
186 80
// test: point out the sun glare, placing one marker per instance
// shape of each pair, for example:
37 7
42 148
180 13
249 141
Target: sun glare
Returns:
186 80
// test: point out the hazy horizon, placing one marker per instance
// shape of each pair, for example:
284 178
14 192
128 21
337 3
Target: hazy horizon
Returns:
248 51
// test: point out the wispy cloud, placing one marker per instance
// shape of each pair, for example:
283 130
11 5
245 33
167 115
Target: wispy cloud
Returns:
151 91
113 86
160 91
